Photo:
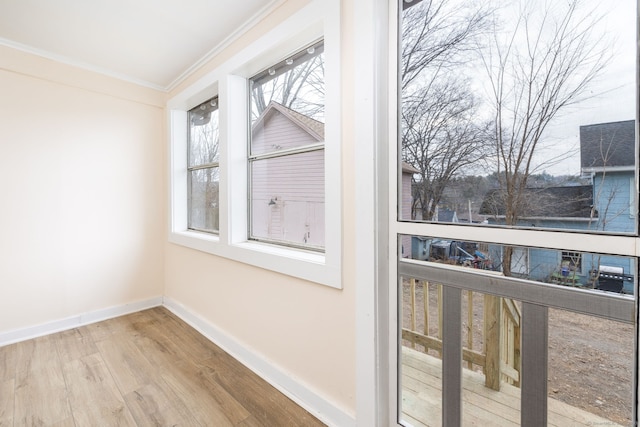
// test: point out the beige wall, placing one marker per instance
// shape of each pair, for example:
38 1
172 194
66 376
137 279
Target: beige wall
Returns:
81 189
305 329
83 222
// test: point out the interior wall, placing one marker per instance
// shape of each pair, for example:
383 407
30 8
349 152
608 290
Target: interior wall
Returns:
303 329
81 189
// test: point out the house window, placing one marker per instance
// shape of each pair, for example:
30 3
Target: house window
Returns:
238 190
203 167
286 152
571 262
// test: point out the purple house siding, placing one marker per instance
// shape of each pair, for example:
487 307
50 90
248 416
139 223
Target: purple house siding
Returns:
288 192
278 132
405 207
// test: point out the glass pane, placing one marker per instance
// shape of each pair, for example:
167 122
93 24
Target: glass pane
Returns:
519 114
287 199
204 134
287 103
203 199
579 270
591 370
590 360
491 396
420 353
491 365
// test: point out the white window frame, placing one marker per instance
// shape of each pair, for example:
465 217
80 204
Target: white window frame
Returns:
319 19
199 166
254 158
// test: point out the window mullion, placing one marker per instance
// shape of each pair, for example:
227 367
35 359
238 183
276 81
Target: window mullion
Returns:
204 166
281 153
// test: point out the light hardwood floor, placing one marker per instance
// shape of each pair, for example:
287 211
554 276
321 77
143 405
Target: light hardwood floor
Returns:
143 369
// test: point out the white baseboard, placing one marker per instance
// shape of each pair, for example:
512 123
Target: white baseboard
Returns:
82 319
300 393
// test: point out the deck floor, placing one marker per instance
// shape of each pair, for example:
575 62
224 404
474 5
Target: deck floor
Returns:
421 393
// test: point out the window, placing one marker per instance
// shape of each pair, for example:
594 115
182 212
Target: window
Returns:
238 189
571 262
559 155
286 154
522 120
203 167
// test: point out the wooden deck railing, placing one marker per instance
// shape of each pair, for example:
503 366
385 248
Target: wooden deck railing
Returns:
491 335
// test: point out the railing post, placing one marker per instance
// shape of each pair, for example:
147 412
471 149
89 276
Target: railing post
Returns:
470 325
412 289
492 340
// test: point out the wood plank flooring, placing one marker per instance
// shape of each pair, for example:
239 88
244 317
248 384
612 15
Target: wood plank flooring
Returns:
144 369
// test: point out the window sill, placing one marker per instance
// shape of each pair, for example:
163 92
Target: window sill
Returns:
306 265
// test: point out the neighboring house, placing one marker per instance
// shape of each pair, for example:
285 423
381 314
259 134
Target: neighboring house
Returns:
406 205
607 153
550 207
288 202
288 196
446 215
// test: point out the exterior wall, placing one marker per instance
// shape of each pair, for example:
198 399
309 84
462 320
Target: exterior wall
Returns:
612 195
288 192
405 212
278 132
543 262
295 185
81 179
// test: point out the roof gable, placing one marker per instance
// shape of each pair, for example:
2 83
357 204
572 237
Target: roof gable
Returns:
311 126
550 202
607 145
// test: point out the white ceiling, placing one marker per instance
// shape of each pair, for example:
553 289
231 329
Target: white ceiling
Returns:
150 42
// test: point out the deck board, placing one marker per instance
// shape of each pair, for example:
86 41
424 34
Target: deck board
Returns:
421 393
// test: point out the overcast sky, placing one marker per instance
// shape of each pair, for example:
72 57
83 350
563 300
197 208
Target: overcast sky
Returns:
614 92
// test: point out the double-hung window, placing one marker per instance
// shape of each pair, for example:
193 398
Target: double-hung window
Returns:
203 167
255 152
286 152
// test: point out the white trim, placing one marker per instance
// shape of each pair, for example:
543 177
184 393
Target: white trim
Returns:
608 169
552 218
79 64
633 194
239 32
618 244
375 112
229 81
76 321
289 385
257 17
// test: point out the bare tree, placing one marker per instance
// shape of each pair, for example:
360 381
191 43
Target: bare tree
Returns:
204 180
540 68
300 88
436 34
439 134
439 139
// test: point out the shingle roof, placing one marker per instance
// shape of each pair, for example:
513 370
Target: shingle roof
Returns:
407 168
550 202
607 145
312 126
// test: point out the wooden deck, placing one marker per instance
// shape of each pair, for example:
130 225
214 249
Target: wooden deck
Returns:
421 392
